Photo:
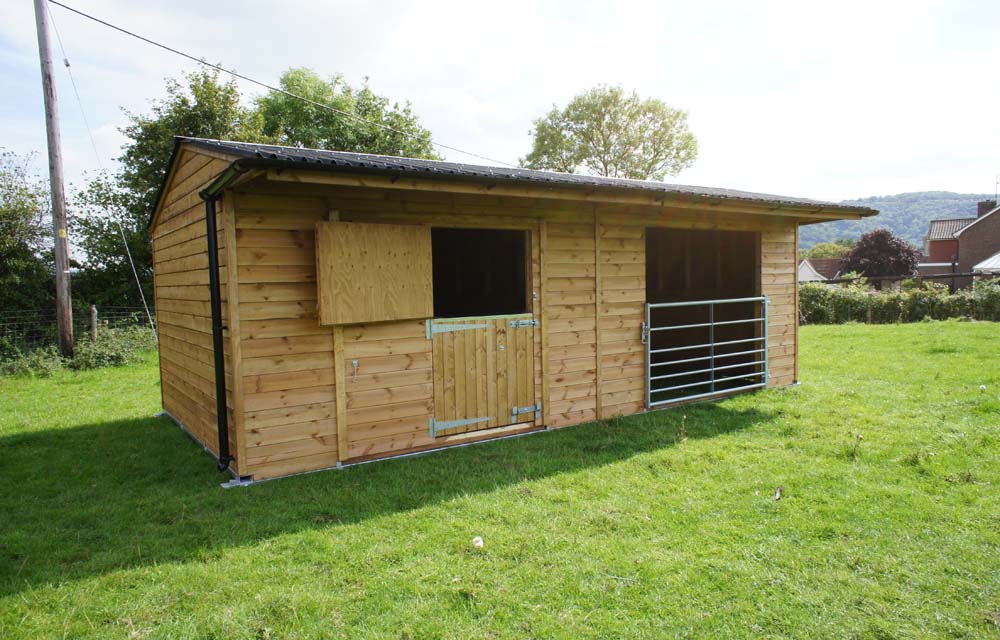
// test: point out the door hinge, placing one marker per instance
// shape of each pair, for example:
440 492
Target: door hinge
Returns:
443 425
517 324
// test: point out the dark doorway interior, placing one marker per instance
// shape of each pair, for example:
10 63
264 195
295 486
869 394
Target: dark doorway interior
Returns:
480 272
686 265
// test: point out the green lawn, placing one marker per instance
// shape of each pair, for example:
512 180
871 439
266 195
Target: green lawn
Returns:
112 522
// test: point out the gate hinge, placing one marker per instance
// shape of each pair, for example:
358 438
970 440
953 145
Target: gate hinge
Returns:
531 408
517 324
442 425
645 333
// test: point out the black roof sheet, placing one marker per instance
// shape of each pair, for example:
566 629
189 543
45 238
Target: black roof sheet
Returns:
303 158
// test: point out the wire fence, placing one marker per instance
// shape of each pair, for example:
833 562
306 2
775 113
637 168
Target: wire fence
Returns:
28 329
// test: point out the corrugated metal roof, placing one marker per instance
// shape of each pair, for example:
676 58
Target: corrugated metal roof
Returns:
989 265
945 229
310 158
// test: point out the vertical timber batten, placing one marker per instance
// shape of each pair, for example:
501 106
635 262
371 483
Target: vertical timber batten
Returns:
597 315
235 336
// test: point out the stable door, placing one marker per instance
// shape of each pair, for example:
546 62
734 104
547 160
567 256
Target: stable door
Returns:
483 375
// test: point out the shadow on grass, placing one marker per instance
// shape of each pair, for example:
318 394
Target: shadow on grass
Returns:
83 501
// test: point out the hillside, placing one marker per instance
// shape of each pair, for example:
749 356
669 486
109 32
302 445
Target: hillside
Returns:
905 214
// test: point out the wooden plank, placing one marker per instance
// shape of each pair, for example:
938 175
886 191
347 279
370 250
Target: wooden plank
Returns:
391 264
340 387
234 357
598 284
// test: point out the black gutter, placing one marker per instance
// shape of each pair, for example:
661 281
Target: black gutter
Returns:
221 411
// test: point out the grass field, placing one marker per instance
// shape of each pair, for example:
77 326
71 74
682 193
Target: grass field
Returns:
112 522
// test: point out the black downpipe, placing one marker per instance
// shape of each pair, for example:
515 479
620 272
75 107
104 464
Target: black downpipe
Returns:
221 411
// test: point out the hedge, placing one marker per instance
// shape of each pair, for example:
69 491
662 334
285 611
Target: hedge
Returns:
912 302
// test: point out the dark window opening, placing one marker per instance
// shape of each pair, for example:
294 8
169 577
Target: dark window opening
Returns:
480 272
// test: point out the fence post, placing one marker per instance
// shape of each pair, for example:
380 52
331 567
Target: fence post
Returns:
93 323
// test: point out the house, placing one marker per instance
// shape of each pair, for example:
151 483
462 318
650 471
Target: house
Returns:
320 308
819 269
956 245
978 240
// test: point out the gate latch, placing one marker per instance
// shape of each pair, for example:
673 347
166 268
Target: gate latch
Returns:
517 324
645 333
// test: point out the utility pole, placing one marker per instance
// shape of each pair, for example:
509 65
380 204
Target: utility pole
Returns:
64 310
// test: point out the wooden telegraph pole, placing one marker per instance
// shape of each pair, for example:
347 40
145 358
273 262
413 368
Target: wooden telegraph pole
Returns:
64 311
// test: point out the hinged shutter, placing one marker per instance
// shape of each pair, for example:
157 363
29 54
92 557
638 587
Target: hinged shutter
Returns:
373 272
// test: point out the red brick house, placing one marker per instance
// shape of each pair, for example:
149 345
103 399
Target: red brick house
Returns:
956 245
978 240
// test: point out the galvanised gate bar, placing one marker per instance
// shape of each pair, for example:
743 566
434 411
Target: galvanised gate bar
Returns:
708 366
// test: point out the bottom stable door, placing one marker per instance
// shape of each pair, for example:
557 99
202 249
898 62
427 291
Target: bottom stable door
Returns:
483 373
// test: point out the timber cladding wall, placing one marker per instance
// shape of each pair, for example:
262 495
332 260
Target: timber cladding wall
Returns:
180 262
288 414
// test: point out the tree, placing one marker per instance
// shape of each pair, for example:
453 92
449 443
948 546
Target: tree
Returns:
609 133
202 107
111 205
880 253
835 249
25 257
295 123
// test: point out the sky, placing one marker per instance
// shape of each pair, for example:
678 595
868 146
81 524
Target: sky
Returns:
831 100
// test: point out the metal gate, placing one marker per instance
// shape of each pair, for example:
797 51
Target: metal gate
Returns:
704 348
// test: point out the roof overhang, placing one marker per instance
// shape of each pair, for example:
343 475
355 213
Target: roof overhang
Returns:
284 170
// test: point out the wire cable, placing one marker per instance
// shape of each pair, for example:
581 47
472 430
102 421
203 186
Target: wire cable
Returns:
100 164
271 87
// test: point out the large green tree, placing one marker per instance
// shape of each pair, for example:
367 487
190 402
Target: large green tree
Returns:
203 105
375 125
111 206
607 132
835 249
25 256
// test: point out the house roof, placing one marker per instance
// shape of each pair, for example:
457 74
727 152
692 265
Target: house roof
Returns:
257 155
989 265
829 268
976 220
946 229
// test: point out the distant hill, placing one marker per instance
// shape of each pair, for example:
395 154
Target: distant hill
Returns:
905 214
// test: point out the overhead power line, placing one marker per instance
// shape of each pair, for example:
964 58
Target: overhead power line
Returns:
265 85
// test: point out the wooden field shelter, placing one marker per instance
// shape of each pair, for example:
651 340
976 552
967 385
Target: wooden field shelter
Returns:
319 308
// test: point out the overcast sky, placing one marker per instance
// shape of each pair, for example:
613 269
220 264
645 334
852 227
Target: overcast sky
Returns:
829 100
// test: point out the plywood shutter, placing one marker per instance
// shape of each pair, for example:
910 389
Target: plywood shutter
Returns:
373 272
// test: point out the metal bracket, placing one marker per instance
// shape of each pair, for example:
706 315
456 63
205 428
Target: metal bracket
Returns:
644 335
443 425
242 481
433 328
517 324
531 408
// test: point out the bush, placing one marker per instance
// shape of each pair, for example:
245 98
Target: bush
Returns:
114 347
39 363
914 301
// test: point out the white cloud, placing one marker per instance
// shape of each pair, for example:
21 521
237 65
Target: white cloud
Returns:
833 100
